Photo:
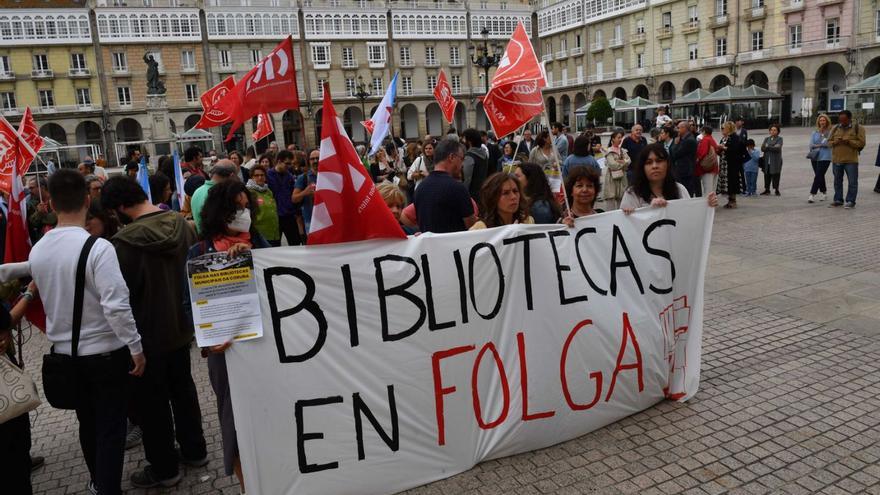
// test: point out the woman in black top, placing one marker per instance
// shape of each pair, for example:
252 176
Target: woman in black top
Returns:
735 153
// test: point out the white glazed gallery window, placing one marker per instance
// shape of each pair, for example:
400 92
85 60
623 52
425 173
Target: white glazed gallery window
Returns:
192 93
378 87
348 57
455 83
432 82
321 55
720 7
406 85
350 87
454 55
720 47
430 55
376 54
405 56
187 60
120 62
757 40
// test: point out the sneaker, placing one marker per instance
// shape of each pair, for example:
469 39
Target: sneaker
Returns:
777 193
92 488
811 199
192 462
821 196
146 479
849 206
835 204
134 437
765 193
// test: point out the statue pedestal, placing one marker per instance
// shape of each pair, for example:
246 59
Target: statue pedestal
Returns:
157 109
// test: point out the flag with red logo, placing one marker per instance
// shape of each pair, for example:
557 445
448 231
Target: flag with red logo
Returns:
213 116
443 94
264 126
514 98
347 205
18 242
15 154
368 125
269 87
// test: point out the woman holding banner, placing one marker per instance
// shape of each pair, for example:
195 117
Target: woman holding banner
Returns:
617 161
653 184
502 203
227 225
582 187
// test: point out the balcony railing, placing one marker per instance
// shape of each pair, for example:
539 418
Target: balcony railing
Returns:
431 63
638 37
576 51
189 70
717 21
789 6
547 57
321 65
403 63
120 71
7 76
42 74
374 64
825 3
456 63
664 32
561 54
691 26
596 47
754 13
720 60
79 72
616 42
353 64
225 68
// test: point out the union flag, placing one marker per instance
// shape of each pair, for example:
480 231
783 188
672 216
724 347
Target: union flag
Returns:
443 95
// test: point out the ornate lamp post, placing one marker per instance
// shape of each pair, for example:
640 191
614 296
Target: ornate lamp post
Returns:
482 57
363 91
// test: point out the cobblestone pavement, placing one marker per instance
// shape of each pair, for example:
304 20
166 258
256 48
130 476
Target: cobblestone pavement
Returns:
790 395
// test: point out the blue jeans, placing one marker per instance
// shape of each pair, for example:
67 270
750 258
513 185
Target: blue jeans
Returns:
852 179
751 183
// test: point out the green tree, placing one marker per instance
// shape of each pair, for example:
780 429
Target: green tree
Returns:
600 111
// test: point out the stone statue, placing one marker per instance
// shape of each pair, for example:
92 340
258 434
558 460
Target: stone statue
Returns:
154 85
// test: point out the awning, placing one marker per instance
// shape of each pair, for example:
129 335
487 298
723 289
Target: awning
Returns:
616 104
867 86
195 134
729 94
639 103
694 97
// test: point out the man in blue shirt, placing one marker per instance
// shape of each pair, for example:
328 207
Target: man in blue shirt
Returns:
443 203
281 183
304 189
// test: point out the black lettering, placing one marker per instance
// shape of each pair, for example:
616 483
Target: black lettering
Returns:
360 407
462 288
527 262
401 291
302 437
617 237
560 268
429 297
659 252
474 250
350 306
308 303
577 238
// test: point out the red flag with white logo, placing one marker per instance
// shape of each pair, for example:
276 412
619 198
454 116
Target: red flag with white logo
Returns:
443 95
15 154
213 116
269 87
264 126
514 98
347 205
27 131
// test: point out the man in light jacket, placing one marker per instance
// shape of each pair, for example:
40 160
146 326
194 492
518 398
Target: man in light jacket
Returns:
847 141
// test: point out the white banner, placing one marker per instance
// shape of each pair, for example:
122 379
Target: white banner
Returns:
389 364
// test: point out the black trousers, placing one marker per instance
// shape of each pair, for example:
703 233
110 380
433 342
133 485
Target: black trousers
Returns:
101 412
169 405
290 230
771 180
15 453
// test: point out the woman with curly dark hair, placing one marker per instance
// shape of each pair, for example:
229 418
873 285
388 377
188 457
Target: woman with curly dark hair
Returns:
502 203
582 187
541 203
653 184
101 222
227 225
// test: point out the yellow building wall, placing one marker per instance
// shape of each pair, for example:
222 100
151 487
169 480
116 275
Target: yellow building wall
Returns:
63 87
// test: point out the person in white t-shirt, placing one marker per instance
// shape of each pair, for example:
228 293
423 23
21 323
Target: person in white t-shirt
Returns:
109 345
662 118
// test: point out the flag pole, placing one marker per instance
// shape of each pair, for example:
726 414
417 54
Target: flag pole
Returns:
522 131
558 166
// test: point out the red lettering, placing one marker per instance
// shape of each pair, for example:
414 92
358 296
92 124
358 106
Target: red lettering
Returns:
478 412
627 335
596 375
440 390
524 382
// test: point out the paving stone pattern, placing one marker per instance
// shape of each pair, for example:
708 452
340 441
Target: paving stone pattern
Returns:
789 400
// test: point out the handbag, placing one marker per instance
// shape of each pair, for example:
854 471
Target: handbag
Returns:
813 155
59 370
18 392
709 161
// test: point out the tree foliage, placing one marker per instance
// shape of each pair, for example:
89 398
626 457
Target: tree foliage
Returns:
600 111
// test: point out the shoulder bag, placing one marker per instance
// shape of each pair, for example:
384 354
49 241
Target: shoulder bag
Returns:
59 370
18 393
709 160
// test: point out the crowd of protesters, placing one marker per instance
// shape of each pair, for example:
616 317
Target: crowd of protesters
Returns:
137 386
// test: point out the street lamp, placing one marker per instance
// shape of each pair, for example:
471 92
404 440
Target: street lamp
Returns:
363 91
483 58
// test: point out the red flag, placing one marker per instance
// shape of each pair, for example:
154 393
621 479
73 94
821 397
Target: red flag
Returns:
264 126
443 94
269 87
514 97
27 131
368 125
15 153
18 243
212 116
347 205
